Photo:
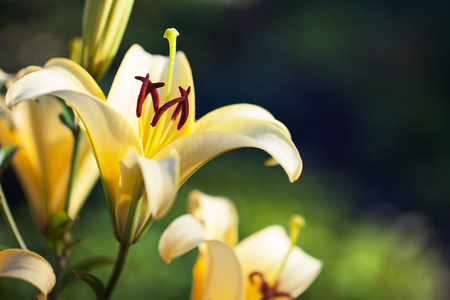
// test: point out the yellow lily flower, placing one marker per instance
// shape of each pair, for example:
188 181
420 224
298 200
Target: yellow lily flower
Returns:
44 156
266 265
153 147
30 267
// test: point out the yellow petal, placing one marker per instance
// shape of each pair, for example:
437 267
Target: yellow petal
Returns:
77 74
224 279
110 134
217 214
161 180
27 266
131 188
198 148
85 178
235 111
299 272
183 234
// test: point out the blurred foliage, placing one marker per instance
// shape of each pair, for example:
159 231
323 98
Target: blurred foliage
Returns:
363 86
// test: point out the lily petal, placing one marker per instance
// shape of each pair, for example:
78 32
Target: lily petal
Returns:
27 266
218 273
255 254
85 179
77 74
198 148
110 134
161 180
223 275
183 234
129 190
299 272
217 214
235 111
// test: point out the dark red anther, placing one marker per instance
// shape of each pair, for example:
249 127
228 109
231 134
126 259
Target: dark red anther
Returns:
267 291
182 106
147 88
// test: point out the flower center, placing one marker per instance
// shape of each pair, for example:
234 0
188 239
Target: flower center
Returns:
182 102
163 130
268 292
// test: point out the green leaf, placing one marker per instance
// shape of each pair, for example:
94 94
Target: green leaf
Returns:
93 281
85 266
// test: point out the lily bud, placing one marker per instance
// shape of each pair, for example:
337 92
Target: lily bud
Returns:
104 23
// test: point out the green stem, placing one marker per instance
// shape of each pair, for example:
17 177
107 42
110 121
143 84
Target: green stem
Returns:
125 246
9 220
122 257
78 135
60 265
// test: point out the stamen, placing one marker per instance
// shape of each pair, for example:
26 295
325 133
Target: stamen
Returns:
147 88
171 35
183 106
267 291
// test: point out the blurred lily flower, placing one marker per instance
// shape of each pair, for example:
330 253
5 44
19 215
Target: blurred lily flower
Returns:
104 23
149 146
44 156
30 267
266 265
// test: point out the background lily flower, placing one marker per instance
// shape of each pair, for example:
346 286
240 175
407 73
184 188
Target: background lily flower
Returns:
30 267
44 156
265 265
135 152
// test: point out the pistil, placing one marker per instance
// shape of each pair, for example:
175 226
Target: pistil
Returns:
171 35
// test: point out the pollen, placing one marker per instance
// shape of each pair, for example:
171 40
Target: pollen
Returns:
147 88
182 103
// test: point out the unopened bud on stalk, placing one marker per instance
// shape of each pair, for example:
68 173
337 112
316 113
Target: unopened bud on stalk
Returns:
104 23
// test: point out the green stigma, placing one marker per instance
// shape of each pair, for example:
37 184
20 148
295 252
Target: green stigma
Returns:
171 35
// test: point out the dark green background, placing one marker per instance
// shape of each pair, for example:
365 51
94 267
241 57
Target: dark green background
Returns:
363 87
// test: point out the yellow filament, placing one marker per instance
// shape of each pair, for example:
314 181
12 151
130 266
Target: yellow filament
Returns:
296 223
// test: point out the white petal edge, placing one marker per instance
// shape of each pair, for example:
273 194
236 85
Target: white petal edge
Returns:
183 234
217 214
300 271
235 111
27 266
